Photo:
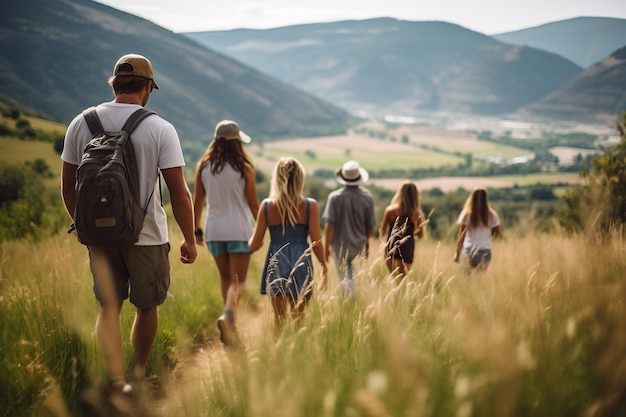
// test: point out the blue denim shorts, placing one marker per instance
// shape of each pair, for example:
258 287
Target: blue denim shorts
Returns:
220 247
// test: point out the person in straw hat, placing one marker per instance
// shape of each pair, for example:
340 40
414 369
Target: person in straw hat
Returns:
349 220
225 183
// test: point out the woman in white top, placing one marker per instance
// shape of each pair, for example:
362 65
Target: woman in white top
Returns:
225 181
478 224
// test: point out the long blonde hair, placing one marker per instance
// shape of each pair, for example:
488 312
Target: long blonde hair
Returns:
286 189
477 208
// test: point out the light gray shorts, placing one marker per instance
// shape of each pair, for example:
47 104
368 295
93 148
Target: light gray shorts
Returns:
478 258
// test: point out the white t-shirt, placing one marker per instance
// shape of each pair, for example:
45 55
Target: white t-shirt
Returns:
156 145
478 237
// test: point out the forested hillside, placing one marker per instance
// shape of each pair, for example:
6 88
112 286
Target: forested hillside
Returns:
57 55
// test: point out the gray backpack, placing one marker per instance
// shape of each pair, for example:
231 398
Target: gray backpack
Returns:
107 212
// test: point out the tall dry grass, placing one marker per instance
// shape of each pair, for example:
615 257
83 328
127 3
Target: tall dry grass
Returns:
540 333
49 358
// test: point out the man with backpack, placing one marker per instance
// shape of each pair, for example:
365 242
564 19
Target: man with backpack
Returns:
138 270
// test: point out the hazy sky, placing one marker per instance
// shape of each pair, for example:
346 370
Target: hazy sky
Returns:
486 16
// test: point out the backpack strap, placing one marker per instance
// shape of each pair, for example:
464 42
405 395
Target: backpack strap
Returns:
136 118
93 121
95 126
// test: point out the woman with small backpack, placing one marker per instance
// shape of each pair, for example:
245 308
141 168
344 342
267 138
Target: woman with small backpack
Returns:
402 221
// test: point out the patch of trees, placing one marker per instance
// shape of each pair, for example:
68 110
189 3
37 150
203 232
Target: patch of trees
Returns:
575 140
28 208
601 201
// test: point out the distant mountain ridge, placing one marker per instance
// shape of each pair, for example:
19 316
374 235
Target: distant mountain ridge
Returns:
57 55
597 94
583 40
387 65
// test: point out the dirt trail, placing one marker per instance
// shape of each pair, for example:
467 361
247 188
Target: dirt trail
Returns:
208 362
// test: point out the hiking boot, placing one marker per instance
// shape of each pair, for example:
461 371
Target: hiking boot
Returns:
121 398
120 386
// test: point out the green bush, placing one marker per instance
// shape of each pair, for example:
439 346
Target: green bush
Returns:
5 130
603 197
22 123
28 208
12 182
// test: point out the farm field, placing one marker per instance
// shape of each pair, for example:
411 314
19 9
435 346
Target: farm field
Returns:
568 155
402 148
455 141
331 152
447 184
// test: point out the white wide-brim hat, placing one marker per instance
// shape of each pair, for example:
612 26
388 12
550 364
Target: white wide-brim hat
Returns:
352 174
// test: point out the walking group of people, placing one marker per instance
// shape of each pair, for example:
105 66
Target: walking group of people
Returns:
235 224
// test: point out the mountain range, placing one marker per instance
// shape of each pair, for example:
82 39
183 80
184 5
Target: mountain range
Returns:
57 56
314 79
390 66
583 40
594 95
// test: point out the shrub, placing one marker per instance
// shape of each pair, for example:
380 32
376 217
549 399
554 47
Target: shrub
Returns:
28 209
603 197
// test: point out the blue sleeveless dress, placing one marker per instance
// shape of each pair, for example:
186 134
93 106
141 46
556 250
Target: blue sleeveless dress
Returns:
288 266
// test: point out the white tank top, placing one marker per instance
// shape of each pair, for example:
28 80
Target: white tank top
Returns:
228 214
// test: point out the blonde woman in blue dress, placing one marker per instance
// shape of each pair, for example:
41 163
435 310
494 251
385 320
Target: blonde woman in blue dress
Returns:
291 219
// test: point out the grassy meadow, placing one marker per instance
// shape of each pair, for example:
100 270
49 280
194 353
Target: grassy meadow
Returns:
14 152
540 333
